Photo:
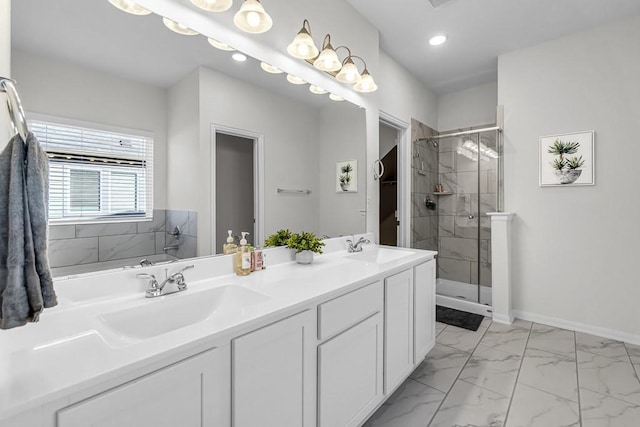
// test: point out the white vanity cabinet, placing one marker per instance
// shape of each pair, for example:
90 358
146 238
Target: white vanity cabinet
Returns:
350 358
273 374
424 309
183 394
398 329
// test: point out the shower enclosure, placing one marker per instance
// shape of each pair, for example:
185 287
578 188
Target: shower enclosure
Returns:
470 175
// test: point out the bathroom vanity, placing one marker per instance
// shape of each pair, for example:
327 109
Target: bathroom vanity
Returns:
293 345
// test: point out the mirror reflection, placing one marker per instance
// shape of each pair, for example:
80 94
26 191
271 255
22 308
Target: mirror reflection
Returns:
233 147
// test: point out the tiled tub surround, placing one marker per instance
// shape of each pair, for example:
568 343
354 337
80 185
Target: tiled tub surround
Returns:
94 247
518 375
458 256
424 177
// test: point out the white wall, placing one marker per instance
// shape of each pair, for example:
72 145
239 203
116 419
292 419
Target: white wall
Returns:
576 248
341 137
65 90
5 67
467 108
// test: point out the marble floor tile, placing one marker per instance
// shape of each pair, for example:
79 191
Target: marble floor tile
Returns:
441 367
413 404
486 322
492 369
599 410
634 353
553 373
462 339
509 338
440 327
601 346
534 408
612 377
554 340
470 405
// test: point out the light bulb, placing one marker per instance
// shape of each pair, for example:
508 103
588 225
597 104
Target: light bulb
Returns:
239 57
253 19
303 50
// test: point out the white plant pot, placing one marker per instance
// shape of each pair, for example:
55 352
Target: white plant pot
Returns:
304 257
568 176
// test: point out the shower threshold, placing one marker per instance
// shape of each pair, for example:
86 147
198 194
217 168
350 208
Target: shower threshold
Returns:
461 296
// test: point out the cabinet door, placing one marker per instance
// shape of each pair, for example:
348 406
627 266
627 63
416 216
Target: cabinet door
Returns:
398 328
273 375
350 374
424 293
179 395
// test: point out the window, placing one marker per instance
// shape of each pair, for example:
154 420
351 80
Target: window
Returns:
96 175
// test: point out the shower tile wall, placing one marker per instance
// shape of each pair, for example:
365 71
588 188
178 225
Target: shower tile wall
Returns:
97 243
457 233
424 177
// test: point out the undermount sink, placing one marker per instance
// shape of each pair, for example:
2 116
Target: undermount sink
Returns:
379 255
159 316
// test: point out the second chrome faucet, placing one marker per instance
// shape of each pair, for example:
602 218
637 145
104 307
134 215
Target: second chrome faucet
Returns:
156 289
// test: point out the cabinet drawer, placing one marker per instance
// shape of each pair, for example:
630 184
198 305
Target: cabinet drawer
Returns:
347 310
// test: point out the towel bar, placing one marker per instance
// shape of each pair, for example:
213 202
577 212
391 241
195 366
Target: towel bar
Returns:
18 119
283 190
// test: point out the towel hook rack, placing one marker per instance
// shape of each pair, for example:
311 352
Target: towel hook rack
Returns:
18 119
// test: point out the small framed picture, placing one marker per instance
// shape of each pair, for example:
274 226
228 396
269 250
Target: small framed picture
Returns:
347 176
567 159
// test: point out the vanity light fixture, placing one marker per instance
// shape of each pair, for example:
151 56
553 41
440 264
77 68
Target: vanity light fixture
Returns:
270 68
240 57
349 72
334 97
178 28
302 46
213 5
219 45
366 84
295 80
328 59
130 7
252 18
437 40
317 90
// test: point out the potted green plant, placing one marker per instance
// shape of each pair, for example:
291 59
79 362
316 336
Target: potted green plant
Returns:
305 244
567 170
279 238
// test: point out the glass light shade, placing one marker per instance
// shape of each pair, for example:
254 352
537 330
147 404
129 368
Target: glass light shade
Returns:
252 18
349 73
270 68
295 80
178 28
130 7
366 84
317 90
213 5
219 45
335 97
303 46
328 60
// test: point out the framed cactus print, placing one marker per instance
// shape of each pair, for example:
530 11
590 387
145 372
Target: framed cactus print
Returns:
567 159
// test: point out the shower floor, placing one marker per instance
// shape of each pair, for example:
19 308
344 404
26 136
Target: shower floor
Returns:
463 296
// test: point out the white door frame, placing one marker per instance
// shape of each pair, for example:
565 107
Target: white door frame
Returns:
258 181
404 176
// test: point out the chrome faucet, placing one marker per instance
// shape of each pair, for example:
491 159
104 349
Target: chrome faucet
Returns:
156 289
357 246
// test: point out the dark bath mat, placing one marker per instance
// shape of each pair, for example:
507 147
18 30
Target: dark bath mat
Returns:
458 318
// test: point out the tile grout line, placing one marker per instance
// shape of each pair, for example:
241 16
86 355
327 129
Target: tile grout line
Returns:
575 348
515 384
631 361
457 376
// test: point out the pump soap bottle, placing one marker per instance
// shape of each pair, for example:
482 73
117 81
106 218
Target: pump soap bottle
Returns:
242 258
230 247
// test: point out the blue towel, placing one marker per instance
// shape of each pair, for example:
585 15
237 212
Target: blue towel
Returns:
26 286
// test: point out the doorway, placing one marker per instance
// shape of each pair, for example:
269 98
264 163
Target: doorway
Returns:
388 182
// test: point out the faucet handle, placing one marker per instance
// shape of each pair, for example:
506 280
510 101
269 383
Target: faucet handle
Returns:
186 267
154 286
147 276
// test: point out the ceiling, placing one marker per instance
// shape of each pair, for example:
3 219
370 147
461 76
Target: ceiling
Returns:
478 32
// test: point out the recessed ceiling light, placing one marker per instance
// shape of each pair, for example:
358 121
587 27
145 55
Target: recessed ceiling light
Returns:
335 97
270 68
240 57
219 45
437 40
317 90
295 80
178 27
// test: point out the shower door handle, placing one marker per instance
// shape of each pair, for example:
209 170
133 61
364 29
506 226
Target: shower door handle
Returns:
471 216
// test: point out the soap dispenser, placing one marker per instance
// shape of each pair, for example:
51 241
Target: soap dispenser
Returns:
242 258
230 247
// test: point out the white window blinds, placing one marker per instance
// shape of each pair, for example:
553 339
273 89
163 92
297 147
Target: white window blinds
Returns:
96 175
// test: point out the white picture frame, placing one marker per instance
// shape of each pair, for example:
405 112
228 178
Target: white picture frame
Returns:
347 176
567 159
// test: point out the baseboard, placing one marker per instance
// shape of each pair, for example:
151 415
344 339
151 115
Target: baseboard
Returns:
502 318
578 327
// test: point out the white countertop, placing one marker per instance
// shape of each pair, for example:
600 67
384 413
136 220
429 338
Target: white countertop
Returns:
71 349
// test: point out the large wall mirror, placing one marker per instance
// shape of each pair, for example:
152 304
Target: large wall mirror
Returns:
234 147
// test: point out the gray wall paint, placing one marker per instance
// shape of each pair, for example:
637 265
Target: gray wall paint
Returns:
234 187
388 139
575 248
467 108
